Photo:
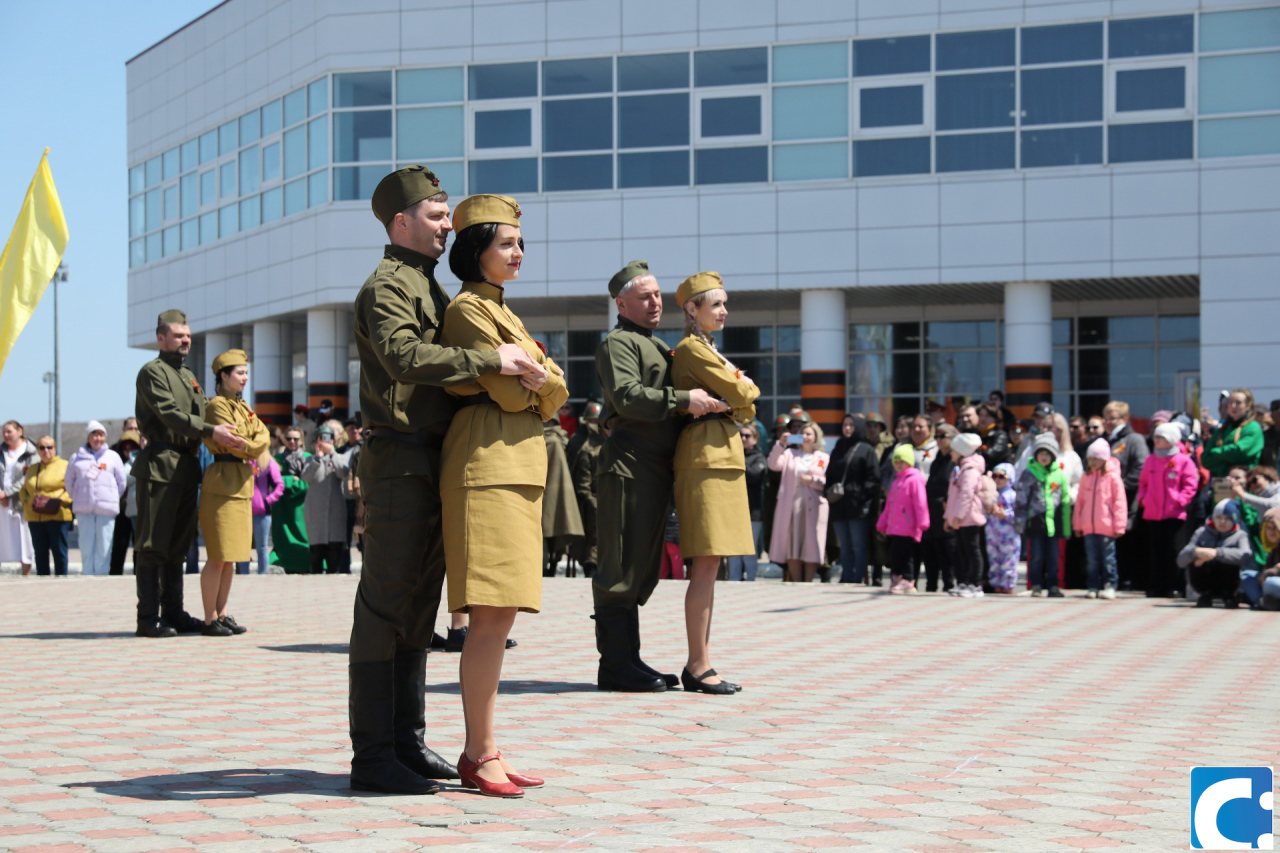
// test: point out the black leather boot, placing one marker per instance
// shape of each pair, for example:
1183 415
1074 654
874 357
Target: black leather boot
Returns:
411 717
146 572
672 681
613 641
171 579
371 710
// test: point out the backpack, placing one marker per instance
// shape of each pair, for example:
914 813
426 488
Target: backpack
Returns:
987 493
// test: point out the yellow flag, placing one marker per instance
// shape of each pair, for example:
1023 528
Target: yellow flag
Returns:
30 257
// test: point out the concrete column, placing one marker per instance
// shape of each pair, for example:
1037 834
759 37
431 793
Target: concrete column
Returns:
215 344
270 373
1028 345
824 353
327 334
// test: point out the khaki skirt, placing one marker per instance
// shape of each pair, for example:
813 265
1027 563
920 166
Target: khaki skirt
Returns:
715 518
227 526
493 547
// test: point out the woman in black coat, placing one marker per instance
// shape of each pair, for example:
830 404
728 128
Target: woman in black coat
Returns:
853 483
938 545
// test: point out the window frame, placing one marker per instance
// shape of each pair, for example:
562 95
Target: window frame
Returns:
1188 64
764 91
855 106
533 149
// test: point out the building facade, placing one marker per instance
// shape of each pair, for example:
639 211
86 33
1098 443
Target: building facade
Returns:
909 200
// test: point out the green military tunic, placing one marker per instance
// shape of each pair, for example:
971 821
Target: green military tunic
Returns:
291 548
582 470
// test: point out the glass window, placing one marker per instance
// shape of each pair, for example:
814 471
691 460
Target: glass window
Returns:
737 66
208 227
1150 36
171 202
351 183
504 129
1151 89
788 375
170 160
318 142
582 380
949 372
986 49
228 137
891 56
653 169
318 188
208 146
425 133
155 247
190 185
249 171
1062 95
271 162
1174 359
295 152
1180 329
228 220
504 177
1117 369
295 197
271 118
1063 372
1239 84
810 162
250 213
362 89
1099 331
295 107
810 112
227 180
272 205
969 152
318 96
137 216
249 128
905 370
655 71
584 343
514 80
428 85
361 136
870 336
738 116
137 253
980 333
739 339
1063 43
975 100
1064 146
208 187
810 61
731 165
137 179
452 176
1128 143
190 155
788 339
190 234
580 124
1240 30
1062 332
155 171
874 157
891 106
1240 137
759 369
155 213
577 76
646 121
591 172
870 374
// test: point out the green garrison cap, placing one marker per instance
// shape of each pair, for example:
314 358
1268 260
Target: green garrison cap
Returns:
171 317
401 189
624 275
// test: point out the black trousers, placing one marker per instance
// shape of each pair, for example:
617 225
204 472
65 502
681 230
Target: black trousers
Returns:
969 555
1215 580
330 558
631 518
939 560
164 535
1131 562
1164 578
902 557
121 539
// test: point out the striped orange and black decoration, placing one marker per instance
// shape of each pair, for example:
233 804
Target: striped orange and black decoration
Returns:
334 392
1025 385
274 407
822 393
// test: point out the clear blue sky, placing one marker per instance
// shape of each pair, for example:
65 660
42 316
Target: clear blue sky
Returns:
63 67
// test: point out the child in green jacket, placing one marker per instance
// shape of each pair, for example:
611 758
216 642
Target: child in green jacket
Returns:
1042 513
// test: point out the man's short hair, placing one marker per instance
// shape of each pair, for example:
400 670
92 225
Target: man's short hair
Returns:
1120 407
441 196
636 282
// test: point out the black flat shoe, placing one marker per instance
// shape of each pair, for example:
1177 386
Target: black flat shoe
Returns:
699 685
1204 601
230 622
216 629
155 629
457 636
437 642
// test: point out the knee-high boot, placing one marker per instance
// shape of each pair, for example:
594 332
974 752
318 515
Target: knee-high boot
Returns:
371 715
410 687
613 640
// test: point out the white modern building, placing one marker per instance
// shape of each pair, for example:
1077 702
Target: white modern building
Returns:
909 200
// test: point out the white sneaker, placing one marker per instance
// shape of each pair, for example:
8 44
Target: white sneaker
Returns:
1107 593
1037 592
1091 594
977 591
966 591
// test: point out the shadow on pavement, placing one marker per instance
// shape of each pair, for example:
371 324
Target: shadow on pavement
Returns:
508 687
310 648
69 635
222 784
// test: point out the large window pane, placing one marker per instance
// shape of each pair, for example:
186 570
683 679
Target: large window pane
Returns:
1184 328
1063 43
137 179
653 169
271 162
656 71
155 171
295 197
891 56
577 76
295 152
1239 84
155 247
504 129
1128 143
892 106
271 118
272 205
1150 36
1117 369
1063 372
249 128
975 100
970 333
318 96
905 371
295 107
870 374
250 213
1240 137
1174 359
759 368
429 132
228 137
788 379
873 157
504 177
731 165
137 253
738 116
580 124
170 160
870 336
747 339
362 89
428 85
810 61
228 220
208 146
646 121
734 67
137 216
227 180
1062 95
591 172
190 156
1239 30
1097 331
514 80
208 187
1151 89
1064 146
351 183
969 152
171 202
810 162
988 49
208 227
190 234
190 186
362 136
810 112
318 143
788 339
971 372
452 176
1063 331
318 188
249 171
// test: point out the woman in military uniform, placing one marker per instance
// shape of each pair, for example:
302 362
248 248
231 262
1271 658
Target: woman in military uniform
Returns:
492 478
710 468
226 494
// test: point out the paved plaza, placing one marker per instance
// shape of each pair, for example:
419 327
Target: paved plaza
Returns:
921 723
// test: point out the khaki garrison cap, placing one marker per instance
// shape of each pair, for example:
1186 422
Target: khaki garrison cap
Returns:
624 275
402 189
171 317
479 209
695 284
230 358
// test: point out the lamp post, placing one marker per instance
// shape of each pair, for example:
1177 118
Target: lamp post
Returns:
48 380
62 274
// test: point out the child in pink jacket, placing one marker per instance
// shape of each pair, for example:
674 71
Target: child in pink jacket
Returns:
904 519
965 514
1101 515
1168 484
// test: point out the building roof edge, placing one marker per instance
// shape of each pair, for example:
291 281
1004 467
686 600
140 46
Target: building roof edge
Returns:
175 32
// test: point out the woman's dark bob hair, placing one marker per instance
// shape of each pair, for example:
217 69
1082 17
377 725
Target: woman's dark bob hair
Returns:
468 245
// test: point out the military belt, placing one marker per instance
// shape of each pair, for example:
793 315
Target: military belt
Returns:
186 451
476 399
228 457
639 443
403 437
713 416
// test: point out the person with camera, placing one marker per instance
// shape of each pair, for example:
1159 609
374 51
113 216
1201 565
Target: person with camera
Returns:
800 520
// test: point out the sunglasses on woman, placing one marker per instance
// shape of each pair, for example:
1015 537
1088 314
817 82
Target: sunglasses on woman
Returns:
44 447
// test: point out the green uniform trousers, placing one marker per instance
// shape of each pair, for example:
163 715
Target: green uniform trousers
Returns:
166 528
631 520
400 585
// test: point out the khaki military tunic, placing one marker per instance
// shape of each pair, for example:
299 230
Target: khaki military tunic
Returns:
711 471
495 463
226 495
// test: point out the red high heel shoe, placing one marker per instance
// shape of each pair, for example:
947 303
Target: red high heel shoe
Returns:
467 770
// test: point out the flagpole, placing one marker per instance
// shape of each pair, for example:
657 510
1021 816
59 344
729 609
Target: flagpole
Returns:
60 273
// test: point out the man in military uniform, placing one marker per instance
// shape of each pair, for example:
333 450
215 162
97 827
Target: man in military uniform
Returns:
406 412
170 409
635 477
584 453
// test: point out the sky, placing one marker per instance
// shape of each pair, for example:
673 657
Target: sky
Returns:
63 67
